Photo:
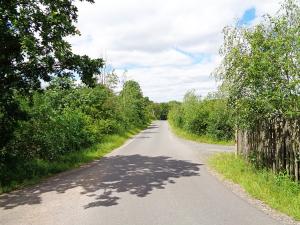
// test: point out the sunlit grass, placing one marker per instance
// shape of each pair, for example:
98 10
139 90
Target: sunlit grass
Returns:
201 139
40 169
278 191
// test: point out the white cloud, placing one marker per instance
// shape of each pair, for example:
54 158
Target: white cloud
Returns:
142 36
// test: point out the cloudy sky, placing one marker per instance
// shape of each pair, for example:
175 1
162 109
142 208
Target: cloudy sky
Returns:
168 46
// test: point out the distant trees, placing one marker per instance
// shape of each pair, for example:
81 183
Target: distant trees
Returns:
161 110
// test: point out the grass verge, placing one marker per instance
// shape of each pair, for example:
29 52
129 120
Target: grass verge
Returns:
201 139
278 191
38 169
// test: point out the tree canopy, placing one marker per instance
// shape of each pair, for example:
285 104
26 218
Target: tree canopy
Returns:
260 70
133 102
33 48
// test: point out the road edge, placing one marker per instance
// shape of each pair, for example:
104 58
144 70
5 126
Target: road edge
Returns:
240 192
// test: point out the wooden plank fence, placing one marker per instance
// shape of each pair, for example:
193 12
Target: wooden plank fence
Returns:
273 144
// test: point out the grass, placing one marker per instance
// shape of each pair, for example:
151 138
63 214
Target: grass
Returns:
278 191
201 139
41 169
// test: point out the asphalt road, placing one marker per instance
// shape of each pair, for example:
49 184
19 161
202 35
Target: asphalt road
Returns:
155 179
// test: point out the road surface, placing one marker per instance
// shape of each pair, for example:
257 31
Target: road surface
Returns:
155 179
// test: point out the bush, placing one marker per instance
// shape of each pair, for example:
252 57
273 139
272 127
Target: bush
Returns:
220 123
65 119
209 117
50 137
175 115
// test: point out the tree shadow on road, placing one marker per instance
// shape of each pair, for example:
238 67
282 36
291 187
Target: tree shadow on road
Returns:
103 179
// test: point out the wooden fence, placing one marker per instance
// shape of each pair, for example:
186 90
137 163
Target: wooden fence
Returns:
274 144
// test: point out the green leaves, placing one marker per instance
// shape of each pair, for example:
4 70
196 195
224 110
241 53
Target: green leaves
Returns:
133 104
209 117
33 49
260 70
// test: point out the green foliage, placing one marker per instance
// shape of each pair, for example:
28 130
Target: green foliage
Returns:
33 48
220 121
278 191
49 136
134 110
33 45
175 114
160 111
195 114
260 75
197 138
260 70
208 117
32 171
64 119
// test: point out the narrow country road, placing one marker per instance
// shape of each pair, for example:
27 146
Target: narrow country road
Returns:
155 179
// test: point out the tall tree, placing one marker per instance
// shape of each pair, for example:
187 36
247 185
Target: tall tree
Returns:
33 49
260 70
133 103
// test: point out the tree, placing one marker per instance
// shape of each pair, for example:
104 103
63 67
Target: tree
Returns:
260 70
108 79
133 103
161 110
33 49
209 116
195 115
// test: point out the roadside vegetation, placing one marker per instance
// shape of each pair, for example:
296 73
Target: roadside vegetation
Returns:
277 190
260 78
37 169
161 110
197 138
68 125
259 98
205 120
50 121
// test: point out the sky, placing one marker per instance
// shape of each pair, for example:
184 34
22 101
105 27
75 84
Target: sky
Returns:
168 46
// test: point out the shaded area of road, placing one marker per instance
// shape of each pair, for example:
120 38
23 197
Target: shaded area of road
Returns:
156 178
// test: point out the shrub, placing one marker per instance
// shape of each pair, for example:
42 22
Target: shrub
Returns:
64 119
208 117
